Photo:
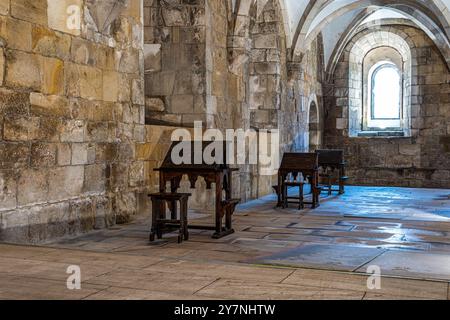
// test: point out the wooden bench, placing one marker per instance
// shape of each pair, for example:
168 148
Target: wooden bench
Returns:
331 161
160 223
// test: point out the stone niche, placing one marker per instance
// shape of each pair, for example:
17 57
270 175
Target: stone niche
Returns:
420 159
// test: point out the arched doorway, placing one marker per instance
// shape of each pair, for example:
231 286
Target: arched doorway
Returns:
314 129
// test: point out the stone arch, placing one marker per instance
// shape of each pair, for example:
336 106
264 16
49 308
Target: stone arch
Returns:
357 50
314 132
427 14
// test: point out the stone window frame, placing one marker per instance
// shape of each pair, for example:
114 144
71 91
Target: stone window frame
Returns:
357 97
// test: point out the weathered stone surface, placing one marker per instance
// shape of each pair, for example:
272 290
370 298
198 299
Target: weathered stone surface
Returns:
66 182
49 105
8 190
4 7
23 70
2 66
110 86
14 155
43 154
72 103
63 154
52 76
32 186
21 129
73 131
30 10
50 43
82 153
125 207
83 81
155 104
16 33
65 16
14 103
95 179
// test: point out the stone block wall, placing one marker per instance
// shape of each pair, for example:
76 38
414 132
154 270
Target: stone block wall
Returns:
71 115
175 65
239 81
80 79
422 160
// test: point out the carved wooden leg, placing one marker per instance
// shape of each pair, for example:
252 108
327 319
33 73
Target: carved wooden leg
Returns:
330 186
279 191
229 194
341 181
184 218
155 215
301 197
219 209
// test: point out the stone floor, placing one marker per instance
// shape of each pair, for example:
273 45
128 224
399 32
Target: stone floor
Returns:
275 254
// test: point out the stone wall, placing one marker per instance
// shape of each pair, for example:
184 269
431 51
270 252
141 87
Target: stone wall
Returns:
175 65
75 153
422 160
242 77
71 114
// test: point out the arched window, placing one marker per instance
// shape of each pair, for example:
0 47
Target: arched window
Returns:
385 94
379 87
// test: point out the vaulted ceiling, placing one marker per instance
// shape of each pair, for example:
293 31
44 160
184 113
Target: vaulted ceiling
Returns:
337 20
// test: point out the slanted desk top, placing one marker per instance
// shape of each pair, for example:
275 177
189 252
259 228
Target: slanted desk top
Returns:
331 158
299 162
193 165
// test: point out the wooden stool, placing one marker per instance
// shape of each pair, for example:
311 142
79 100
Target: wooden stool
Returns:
159 222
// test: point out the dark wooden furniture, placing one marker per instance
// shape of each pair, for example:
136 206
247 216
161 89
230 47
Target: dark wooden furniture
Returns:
331 161
218 173
161 224
296 164
301 195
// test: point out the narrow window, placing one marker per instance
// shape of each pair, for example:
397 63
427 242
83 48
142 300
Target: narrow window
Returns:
385 96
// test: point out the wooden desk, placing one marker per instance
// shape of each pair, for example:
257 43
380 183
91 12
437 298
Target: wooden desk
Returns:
219 174
300 163
333 160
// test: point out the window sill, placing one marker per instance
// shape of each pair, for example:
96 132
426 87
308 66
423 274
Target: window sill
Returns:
381 134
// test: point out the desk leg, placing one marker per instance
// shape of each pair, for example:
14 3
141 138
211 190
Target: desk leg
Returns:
341 182
161 205
219 185
173 204
279 191
229 194
315 191
220 231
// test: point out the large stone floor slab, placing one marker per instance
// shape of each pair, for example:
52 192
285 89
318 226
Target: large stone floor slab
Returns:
274 254
331 257
414 264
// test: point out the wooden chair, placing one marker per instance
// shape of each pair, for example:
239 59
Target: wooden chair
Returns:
161 224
